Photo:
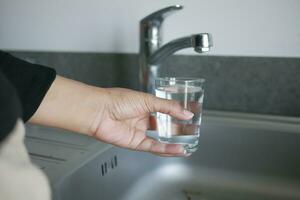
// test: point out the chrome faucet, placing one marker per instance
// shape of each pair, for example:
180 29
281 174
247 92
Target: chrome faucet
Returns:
152 53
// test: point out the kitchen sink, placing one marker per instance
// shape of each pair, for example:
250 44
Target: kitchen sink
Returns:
241 156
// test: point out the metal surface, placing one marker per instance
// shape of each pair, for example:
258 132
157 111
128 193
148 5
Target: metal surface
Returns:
241 156
152 53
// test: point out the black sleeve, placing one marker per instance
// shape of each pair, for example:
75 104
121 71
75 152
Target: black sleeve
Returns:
10 107
31 81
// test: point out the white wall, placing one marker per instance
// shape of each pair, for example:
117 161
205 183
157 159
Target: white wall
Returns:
249 27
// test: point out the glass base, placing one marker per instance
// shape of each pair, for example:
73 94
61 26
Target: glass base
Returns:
190 143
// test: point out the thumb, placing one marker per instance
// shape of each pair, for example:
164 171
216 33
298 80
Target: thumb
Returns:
170 107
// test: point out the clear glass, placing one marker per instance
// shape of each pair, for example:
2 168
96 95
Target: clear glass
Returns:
189 92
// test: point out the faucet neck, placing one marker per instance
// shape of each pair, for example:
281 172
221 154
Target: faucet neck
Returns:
150 28
168 49
150 41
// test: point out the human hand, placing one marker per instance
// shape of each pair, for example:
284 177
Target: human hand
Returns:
113 115
123 120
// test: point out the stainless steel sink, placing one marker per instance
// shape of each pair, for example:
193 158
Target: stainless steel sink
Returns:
241 156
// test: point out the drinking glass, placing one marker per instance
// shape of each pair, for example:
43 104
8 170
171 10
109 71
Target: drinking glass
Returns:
189 93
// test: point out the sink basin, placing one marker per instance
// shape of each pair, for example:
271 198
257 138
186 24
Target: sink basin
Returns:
241 156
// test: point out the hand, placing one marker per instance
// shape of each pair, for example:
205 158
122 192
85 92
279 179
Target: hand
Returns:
124 120
115 116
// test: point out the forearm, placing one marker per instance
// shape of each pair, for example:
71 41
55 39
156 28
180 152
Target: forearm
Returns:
70 105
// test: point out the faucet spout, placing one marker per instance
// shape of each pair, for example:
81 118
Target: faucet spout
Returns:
152 52
201 42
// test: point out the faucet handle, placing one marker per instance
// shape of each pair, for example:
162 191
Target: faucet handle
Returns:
158 16
150 28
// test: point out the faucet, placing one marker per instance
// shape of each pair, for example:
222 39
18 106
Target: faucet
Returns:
152 52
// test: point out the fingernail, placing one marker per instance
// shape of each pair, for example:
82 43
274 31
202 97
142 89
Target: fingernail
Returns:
188 113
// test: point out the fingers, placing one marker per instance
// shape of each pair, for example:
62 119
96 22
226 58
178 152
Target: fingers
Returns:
152 146
169 107
135 139
139 141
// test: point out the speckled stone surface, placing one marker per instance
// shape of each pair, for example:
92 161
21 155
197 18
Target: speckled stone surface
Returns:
240 84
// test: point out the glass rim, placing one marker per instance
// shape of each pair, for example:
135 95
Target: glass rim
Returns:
181 79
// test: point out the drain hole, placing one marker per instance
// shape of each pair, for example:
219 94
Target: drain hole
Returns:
116 160
105 167
111 164
102 170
